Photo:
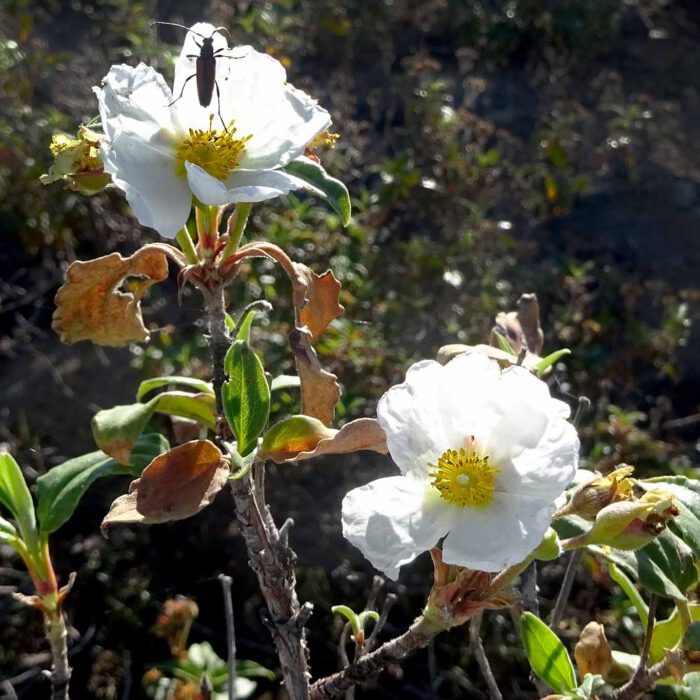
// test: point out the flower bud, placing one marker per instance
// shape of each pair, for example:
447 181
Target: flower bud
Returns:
589 499
632 524
550 547
78 162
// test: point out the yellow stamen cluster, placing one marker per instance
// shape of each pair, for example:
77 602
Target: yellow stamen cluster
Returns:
325 138
464 478
217 152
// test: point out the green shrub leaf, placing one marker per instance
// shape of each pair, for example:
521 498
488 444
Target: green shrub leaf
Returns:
323 185
158 382
547 655
61 488
15 496
245 396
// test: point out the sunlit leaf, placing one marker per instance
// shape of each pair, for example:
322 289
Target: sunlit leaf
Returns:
303 437
15 496
323 185
90 305
159 382
547 655
285 381
667 633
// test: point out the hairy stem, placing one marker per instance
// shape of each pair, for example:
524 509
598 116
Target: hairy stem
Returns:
268 555
57 635
416 637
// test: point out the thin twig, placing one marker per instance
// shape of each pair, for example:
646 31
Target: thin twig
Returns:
389 601
565 590
480 655
646 648
226 582
530 590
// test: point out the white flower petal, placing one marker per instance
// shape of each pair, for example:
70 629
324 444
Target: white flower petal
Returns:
392 520
412 416
280 119
146 173
135 100
241 185
503 534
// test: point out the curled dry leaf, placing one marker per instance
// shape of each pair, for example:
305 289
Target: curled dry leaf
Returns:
593 653
300 437
320 391
522 327
321 293
90 306
174 486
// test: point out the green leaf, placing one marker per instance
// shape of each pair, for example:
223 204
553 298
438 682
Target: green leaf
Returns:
116 429
245 327
15 496
322 184
246 396
252 669
285 381
350 615
158 382
61 488
631 592
504 344
690 690
547 655
548 361
667 633
687 493
667 566
293 435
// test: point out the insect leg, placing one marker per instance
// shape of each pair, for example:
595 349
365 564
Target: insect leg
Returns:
218 98
182 92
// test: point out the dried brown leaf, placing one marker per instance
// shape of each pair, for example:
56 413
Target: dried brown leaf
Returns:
522 327
320 391
593 653
321 294
174 486
90 306
504 359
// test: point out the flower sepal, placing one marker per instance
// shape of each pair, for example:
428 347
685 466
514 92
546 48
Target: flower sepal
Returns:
590 498
458 593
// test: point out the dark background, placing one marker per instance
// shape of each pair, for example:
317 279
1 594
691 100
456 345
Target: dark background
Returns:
491 148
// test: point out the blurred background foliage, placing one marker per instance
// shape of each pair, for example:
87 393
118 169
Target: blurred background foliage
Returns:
491 148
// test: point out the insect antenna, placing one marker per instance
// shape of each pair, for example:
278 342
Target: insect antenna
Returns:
182 26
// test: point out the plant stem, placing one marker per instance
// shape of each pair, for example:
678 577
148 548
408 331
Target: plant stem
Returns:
57 635
481 658
187 244
565 589
236 226
230 635
268 554
416 637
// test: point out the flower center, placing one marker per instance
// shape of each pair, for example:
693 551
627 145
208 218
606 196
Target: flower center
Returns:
217 152
464 478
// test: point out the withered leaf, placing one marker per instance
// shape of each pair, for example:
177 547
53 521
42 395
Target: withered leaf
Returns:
522 327
592 652
298 443
174 486
321 294
504 359
320 391
90 305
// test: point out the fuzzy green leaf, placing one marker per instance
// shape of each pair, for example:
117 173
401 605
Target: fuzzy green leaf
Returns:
323 185
15 496
245 396
547 655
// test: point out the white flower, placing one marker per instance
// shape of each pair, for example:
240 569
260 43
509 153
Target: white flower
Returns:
484 455
229 151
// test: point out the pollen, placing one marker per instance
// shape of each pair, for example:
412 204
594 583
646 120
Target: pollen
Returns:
217 152
464 478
